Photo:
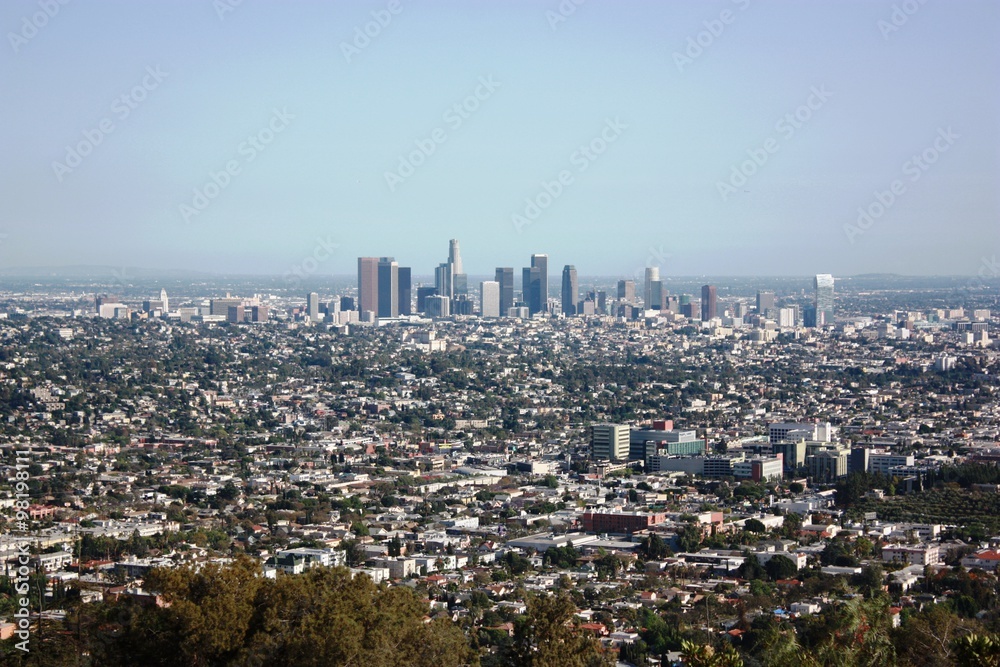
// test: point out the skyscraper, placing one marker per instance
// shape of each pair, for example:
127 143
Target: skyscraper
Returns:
165 300
540 296
368 284
765 302
454 255
444 279
489 298
312 307
405 291
626 291
709 303
570 290
422 294
530 289
505 276
652 276
388 287
824 299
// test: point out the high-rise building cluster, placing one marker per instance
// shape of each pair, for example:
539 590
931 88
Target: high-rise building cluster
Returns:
385 291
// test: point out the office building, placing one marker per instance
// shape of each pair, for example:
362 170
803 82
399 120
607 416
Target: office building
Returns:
570 290
388 288
765 302
438 306
368 284
221 306
505 277
645 442
348 303
880 462
824 299
759 469
793 453
312 307
827 465
620 522
626 291
404 291
794 431
489 298
258 314
235 314
709 303
609 441
422 294
459 279
535 284
651 301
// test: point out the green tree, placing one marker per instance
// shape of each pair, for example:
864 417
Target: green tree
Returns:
780 567
544 637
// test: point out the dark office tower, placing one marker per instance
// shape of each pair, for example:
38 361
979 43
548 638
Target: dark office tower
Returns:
404 291
765 302
347 303
709 303
368 284
462 305
505 276
531 289
541 262
388 288
570 290
422 294
626 291
657 295
809 315
602 302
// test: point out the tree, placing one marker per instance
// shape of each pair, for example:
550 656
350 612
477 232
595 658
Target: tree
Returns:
754 526
977 650
544 638
653 547
634 653
706 655
231 616
780 567
927 639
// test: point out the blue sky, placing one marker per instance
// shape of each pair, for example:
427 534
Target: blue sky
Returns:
310 119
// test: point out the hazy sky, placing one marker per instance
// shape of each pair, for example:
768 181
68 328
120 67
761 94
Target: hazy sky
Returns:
652 113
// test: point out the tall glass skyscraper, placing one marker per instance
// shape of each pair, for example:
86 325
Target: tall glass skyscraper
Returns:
824 299
570 290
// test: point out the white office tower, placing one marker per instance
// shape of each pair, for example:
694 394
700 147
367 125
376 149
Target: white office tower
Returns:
454 257
609 441
652 276
164 301
489 298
